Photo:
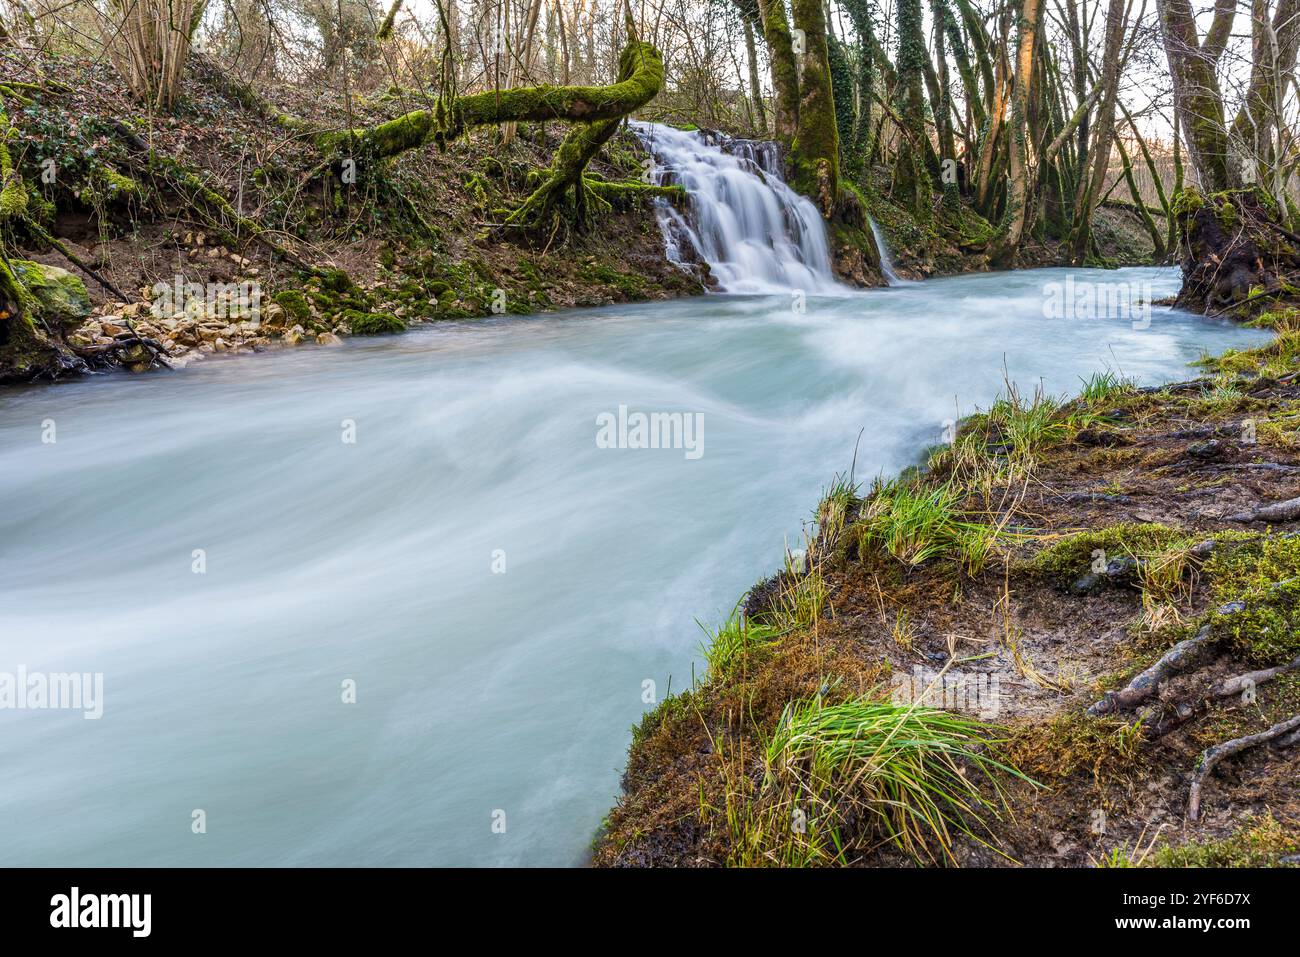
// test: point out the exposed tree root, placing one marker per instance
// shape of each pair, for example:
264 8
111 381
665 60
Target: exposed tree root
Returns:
128 349
1185 711
1287 511
1182 657
1235 248
1212 757
40 233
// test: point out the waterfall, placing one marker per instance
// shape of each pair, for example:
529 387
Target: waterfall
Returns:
756 233
886 261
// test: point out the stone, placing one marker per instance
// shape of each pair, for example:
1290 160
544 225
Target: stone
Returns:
58 298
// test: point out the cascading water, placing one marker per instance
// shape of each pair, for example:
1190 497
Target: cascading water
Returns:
756 233
886 260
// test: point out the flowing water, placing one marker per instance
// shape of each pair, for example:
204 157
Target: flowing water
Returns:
886 259
503 593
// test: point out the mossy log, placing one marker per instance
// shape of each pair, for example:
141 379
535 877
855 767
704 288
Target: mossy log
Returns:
641 76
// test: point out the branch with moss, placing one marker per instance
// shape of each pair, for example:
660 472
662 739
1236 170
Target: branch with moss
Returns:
641 76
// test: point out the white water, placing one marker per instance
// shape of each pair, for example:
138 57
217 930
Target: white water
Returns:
372 562
886 260
755 232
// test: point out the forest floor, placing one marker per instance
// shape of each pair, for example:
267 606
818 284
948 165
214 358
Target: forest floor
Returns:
1050 554
413 241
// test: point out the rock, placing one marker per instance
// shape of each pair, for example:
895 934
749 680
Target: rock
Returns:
111 328
329 339
58 298
1211 450
219 345
293 337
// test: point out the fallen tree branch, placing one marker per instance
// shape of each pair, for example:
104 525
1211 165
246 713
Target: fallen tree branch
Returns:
1212 757
641 77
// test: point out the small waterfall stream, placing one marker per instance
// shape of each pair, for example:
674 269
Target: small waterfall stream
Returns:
886 260
756 233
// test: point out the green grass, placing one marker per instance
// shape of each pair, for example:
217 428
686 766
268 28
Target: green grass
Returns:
1105 386
1072 556
915 524
915 777
834 509
803 597
734 641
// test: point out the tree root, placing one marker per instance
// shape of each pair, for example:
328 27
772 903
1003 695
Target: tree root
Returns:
40 233
1181 657
1212 757
128 350
1227 688
1287 511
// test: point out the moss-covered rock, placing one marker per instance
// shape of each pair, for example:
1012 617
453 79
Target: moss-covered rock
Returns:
56 298
372 323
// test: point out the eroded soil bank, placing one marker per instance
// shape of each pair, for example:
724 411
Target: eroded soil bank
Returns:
1048 559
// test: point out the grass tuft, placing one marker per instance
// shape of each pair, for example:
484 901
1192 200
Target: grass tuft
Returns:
907 775
915 524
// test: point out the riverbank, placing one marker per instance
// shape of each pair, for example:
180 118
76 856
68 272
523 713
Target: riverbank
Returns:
226 233
1030 583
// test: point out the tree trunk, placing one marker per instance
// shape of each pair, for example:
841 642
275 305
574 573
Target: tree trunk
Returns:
1197 98
755 86
911 182
816 149
1091 185
785 73
1017 210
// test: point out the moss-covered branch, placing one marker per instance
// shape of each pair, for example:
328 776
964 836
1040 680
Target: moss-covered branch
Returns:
641 77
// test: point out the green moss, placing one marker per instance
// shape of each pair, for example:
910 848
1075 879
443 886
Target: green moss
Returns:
1064 561
336 281
294 304
372 323
55 297
1263 572
1259 843
1186 202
